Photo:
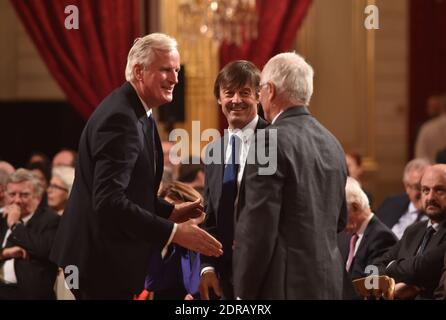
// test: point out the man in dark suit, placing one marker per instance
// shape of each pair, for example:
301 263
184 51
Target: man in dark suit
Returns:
365 239
415 262
114 219
237 92
400 211
27 232
286 235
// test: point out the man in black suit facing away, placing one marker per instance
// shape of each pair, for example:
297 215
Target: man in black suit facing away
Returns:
114 220
286 236
237 92
27 233
415 262
365 238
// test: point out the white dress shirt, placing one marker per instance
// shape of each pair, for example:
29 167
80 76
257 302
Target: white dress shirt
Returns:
246 135
406 220
7 271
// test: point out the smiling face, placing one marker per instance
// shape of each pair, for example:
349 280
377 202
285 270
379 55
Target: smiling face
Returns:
239 105
157 81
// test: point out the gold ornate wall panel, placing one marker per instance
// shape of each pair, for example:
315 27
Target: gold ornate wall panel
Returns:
201 65
360 84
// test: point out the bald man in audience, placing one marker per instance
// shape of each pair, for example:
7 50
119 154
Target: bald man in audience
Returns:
65 157
415 262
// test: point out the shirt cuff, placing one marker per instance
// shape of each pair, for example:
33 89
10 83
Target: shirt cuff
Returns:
390 263
207 269
164 251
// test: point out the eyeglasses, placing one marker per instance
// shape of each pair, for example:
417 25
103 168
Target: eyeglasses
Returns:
55 186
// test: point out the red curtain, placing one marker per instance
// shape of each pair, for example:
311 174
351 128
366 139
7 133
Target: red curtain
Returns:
427 59
89 62
277 28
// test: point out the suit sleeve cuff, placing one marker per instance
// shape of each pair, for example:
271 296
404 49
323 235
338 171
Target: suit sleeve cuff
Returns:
172 234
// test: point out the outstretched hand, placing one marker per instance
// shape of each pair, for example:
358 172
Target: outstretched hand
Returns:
186 210
189 235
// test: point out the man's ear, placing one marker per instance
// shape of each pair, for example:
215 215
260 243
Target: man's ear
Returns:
137 72
355 207
272 91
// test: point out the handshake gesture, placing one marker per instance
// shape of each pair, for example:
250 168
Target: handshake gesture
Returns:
188 216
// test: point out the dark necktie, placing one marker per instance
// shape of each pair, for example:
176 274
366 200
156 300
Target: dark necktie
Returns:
427 237
227 200
152 134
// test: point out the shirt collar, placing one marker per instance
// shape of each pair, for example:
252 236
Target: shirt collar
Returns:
275 118
27 218
434 225
246 131
148 110
364 225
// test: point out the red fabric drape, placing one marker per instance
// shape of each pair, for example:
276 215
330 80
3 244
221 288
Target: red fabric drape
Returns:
427 60
89 62
277 28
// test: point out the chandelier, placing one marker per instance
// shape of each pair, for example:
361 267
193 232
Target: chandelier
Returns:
232 21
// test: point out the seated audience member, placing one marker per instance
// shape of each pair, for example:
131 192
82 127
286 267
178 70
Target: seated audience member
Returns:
58 193
3 179
354 165
365 237
400 211
65 157
192 173
26 235
42 172
177 275
415 262
39 157
60 188
7 167
431 139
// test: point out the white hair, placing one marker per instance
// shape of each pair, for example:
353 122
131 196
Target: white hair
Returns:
292 76
66 174
417 164
354 194
143 48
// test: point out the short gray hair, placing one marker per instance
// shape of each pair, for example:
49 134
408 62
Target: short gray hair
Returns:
142 51
22 175
355 194
417 164
66 174
292 76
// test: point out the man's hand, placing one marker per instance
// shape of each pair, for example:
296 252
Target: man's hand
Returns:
186 210
14 253
209 280
190 236
13 214
406 292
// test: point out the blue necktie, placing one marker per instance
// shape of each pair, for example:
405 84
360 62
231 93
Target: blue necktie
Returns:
228 195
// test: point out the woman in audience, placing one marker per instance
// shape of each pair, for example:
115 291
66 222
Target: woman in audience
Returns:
58 192
177 275
60 187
